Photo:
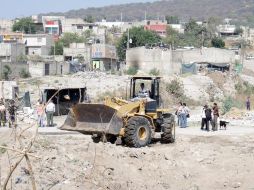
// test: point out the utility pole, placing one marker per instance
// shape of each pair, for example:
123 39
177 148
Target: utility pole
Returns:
55 56
128 39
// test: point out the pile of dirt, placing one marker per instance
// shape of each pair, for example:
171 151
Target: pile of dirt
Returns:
235 113
75 162
219 78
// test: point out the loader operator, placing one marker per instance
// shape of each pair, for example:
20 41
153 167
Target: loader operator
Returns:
143 93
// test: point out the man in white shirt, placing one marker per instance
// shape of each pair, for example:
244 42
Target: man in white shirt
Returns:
50 110
143 93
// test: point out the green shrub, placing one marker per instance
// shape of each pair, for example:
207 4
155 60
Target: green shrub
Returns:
7 72
229 103
154 72
24 74
239 87
175 87
132 71
3 150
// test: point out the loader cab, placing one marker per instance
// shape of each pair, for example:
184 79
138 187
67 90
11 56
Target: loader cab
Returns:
152 84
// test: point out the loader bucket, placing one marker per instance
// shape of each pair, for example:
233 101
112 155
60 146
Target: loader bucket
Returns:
93 119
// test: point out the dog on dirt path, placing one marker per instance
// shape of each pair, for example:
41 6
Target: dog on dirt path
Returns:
223 124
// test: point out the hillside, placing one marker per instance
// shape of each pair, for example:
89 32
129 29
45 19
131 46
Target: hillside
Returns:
241 10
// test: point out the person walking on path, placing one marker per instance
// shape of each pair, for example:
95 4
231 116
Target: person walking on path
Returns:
50 109
248 104
40 113
187 114
215 117
182 116
203 117
177 113
12 113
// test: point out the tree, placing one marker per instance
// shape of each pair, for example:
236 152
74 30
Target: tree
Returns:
238 31
7 72
66 40
25 25
57 49
89 19
172 19
139 37
218 42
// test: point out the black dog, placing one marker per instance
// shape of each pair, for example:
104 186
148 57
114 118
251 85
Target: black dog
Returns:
223 124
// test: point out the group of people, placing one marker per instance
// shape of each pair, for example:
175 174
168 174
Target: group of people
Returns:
183 113
7 113
45 112
210 116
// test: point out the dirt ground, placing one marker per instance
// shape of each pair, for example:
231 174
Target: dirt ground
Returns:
197 160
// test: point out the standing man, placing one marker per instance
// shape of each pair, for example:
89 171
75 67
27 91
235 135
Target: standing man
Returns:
12 113
203 117
177 113
248 104
187 114
215 117
50 110
208 114
2 113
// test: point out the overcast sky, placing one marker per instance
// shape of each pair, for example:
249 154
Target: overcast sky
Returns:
21 8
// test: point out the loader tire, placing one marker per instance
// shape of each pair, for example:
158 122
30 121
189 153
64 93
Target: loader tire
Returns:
137 132
168 129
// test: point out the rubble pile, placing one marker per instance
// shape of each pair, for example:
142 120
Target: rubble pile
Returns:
239 117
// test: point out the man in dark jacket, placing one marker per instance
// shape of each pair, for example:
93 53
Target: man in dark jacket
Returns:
208 114
12 113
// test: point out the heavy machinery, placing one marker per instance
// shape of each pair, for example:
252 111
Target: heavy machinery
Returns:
135 121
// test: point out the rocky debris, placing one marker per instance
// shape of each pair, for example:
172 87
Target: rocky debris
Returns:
195 87
236 185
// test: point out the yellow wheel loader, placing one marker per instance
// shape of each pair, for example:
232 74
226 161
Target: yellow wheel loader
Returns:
134 121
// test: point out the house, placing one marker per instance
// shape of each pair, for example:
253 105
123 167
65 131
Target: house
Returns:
11 52
11 37
53 25
177 27
227 30
77 50
104 57
50 67
157 26
9 90
74 25
38 44
6 25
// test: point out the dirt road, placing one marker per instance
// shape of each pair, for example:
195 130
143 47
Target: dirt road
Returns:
198 160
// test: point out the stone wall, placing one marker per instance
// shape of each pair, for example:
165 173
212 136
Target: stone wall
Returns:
169 62
16 68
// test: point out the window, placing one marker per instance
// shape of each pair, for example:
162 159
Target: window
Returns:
79 27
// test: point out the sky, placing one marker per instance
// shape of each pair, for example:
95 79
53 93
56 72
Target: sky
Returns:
21 8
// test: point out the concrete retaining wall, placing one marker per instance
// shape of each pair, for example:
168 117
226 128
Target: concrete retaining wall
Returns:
16 68
169 62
